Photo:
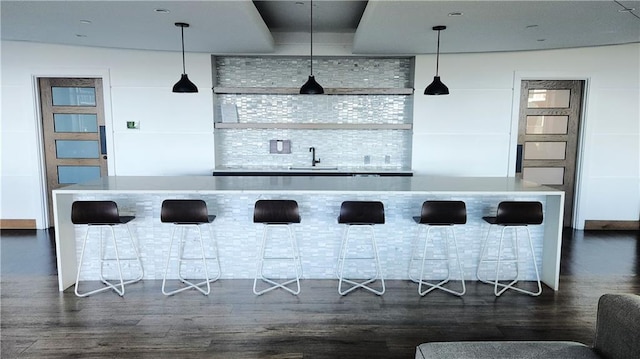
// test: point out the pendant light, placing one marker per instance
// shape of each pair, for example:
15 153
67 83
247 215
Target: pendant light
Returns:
437 87
311 87
184 85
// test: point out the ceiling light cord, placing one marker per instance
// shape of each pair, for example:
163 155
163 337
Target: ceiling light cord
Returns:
438 54
184 70
311 87
311 31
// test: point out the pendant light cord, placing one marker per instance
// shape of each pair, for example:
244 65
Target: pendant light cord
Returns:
438 54
184 71
311 31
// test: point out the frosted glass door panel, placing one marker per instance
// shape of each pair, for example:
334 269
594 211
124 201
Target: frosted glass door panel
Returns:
547 125
542 98
73 96
77 149
70 122
544 175
77 174
544 150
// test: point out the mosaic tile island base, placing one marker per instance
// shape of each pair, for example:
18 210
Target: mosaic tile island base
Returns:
232 199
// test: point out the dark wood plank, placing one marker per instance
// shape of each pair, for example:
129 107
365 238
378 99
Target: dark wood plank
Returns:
37 321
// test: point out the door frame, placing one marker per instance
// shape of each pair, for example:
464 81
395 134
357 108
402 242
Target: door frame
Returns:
518 77
43 220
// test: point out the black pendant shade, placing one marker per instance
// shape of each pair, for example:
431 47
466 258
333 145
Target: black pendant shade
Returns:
311 87
437 87
184 85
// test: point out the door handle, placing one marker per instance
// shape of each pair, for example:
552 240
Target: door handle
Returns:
519 159
103 141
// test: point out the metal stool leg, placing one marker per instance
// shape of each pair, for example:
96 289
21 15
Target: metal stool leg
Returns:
108 284
500 260
184 229
511 285
414 250
296 263
484 257
364 284
440 285
340 262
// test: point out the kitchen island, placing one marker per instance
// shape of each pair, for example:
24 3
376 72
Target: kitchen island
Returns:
231 198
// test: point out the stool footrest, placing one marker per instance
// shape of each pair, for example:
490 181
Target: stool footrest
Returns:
439 285
191 285
276 285
364 285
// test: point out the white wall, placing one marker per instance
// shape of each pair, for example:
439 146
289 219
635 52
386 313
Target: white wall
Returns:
473 131
470 132
176 130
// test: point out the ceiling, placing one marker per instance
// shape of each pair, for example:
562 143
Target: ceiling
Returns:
401 27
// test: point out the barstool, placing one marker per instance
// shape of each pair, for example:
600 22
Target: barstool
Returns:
361 214
104 214
188 214
273 214
442 215
511 215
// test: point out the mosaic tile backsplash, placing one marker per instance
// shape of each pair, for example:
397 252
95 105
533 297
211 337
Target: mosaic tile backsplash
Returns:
358 72
342 148
249 148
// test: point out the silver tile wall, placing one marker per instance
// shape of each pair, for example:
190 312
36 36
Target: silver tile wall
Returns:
352 109
344 148
249 148
378 72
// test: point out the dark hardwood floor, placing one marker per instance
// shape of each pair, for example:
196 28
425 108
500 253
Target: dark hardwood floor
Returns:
39 322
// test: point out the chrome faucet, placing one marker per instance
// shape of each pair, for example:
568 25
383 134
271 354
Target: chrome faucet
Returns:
313 156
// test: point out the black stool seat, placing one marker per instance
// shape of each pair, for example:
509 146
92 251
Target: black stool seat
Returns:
276 211
361 212
97 213
185 211
513 213
443 213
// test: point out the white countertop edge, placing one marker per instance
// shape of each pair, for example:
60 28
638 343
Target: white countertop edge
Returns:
286 170
328 192
422 185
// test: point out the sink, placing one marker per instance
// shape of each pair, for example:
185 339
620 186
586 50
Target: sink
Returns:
313 168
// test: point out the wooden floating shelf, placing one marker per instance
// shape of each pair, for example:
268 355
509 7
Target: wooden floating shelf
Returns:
315 126
327 91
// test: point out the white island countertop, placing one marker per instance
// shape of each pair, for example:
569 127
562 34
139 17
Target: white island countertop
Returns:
306 184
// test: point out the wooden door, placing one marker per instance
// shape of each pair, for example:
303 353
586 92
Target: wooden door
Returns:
548 134
73 131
